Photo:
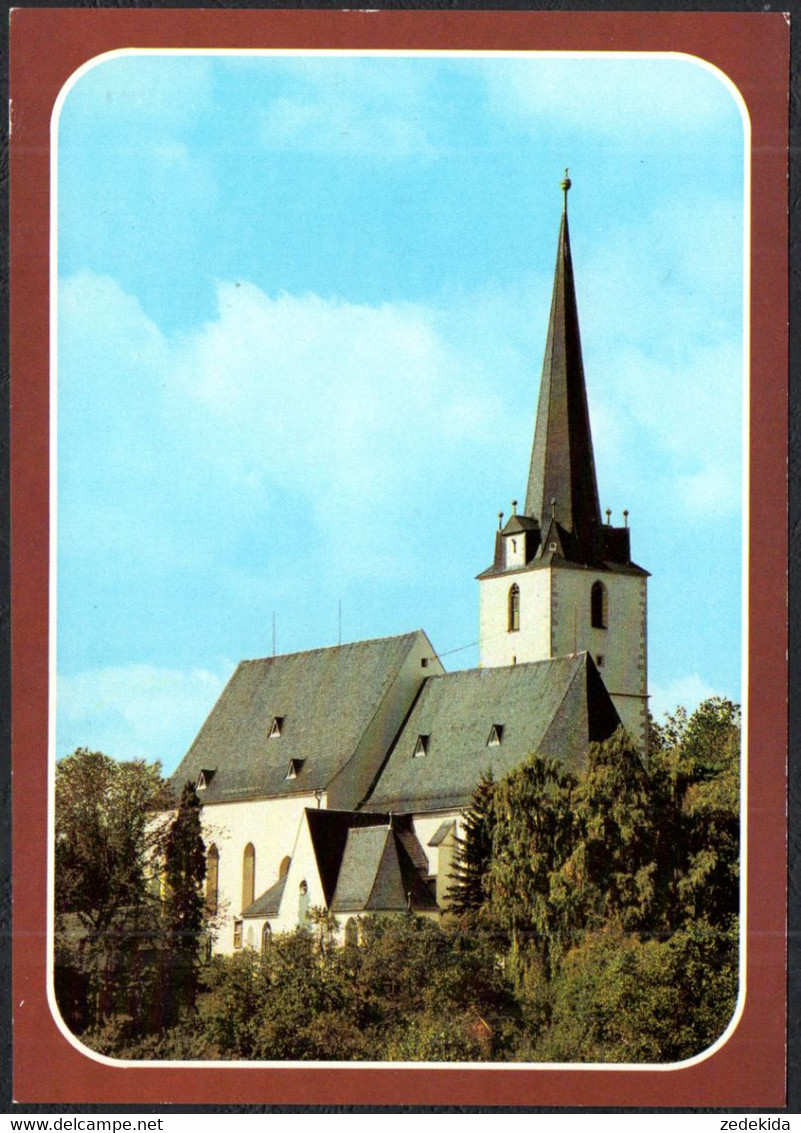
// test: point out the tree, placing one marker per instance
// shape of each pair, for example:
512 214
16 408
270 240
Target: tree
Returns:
617 998
184 906
104 837
610 874
695 769
468 892
533 836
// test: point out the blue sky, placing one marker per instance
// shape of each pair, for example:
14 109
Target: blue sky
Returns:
302 311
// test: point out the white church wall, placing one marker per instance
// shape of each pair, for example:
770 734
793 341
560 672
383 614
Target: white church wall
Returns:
621 646
350 786
498 645
425 827
270 825
302 869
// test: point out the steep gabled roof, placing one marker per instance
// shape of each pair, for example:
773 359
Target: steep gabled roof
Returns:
329 831
378 875
554 707
324 698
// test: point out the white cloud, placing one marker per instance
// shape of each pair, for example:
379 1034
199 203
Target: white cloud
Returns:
355 407
687 692
136 711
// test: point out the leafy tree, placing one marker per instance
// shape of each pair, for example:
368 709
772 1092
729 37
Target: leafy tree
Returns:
619 999
104 838
468 894
533 837
694 767
609 876
184 906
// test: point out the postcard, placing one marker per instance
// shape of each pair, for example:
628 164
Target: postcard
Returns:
399 643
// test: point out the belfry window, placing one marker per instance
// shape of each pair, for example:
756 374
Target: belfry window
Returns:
514 609
599 610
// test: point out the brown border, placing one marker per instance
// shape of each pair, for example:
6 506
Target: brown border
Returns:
47 45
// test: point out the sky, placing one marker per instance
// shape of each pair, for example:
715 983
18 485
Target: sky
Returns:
302 304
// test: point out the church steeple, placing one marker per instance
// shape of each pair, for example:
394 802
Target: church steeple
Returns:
562 482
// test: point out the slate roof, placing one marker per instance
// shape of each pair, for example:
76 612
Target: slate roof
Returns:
562 461
562 490
377 875
554 707
367 862
269 903
326 699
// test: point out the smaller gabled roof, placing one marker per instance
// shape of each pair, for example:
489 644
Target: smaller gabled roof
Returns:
519 523
377 875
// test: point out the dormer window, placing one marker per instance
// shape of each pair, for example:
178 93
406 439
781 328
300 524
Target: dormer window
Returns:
421 747
495 736
204 778
294 767
275 727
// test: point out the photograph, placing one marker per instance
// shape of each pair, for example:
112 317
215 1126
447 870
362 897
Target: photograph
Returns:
398 491
310 328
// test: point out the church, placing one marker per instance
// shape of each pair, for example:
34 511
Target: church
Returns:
336 778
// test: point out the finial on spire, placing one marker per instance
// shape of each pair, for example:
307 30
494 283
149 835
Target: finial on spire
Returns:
566 183
514 507
626 516
608 516
500 520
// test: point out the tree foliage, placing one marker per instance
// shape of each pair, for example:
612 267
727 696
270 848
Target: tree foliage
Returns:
184 906
596 920
467 893
104 905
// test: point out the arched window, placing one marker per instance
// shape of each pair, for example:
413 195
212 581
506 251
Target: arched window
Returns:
212 879
248 875
514 608
599 611
266 937
303 903
283 868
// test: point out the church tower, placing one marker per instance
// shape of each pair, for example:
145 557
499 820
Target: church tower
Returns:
562 580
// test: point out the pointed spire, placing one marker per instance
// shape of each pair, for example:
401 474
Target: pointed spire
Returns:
562 462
